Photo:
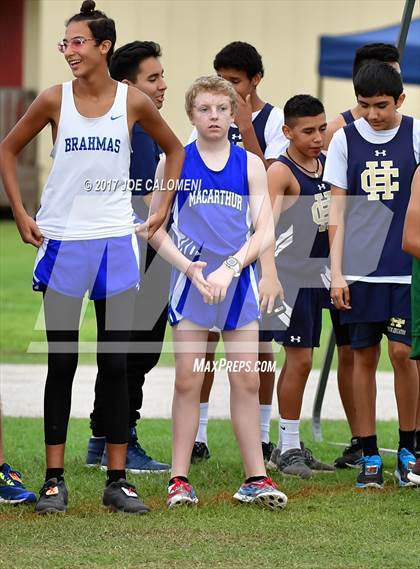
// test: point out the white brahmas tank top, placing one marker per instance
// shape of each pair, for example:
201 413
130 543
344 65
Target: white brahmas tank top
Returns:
87 192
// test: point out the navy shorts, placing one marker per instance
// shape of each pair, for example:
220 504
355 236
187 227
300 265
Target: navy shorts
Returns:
240 307
341 331
300 326
377 309
366 335
103 267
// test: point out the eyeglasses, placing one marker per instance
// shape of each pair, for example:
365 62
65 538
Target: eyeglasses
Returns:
74 43
220 109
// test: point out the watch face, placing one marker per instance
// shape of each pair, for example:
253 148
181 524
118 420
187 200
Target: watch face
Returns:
231 262
234 265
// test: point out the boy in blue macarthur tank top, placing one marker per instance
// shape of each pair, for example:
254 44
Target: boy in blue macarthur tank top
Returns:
370 163
300 202
221 217
257 127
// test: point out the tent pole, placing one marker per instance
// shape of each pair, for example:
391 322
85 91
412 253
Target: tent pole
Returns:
320 88
405 24
320 391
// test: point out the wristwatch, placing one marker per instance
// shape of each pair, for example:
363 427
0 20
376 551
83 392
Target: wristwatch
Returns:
234 265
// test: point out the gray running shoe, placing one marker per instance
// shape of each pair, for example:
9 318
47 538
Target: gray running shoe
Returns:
315 465
275 455
121 496
267 449
291 463
53 498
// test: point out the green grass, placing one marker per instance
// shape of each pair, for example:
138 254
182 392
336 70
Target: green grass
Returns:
327 523
20 309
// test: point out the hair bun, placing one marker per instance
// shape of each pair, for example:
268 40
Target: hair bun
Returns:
88 7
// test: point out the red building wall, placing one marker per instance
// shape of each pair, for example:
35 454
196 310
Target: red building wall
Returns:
11 43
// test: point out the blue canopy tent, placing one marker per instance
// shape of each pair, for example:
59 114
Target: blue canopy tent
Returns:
337 52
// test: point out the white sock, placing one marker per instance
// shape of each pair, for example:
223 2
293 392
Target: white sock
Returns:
289 434
202 427
280 432
265 416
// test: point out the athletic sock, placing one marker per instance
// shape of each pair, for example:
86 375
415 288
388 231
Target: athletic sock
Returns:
183 478
265 416
407 440
289 434
356 442
280 432
114 476
369 445
202 426
54 473
417 441
254 479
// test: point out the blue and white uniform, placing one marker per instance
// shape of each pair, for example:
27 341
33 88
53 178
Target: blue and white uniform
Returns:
211 221
301 254
377 166
86 216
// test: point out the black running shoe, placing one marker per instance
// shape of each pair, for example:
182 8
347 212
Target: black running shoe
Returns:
200 452
121 496
267 449
53 497
352 455
371 475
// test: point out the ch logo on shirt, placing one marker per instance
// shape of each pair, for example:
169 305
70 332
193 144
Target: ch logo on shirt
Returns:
379 180
320 209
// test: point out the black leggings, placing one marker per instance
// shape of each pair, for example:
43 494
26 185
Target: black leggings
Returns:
113 317
138 365
149 324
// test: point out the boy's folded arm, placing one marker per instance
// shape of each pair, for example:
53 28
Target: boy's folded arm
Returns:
261 214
